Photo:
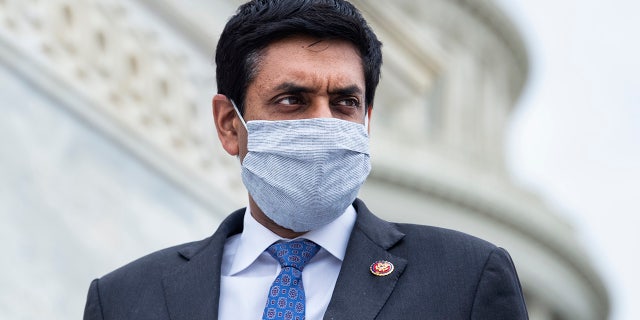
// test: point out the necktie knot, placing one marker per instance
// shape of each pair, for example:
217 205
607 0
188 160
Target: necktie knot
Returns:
294 253
286 299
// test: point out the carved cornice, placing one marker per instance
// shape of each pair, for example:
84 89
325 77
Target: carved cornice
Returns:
412 36
417 62
129 79
494 18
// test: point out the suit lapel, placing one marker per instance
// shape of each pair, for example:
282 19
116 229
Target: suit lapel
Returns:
358 291
192 291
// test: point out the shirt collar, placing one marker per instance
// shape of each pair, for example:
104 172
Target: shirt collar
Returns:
256 238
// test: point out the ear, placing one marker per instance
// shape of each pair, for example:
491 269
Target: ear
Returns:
226 121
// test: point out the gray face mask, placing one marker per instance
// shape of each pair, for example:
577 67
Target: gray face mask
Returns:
304 173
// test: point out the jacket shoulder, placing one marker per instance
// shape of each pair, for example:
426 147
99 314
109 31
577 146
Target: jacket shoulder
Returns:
448 247
155 264
457 275
137 286
442 236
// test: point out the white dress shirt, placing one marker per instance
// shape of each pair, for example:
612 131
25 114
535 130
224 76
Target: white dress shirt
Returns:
247 271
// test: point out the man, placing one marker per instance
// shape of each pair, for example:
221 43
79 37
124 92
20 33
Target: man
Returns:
296 82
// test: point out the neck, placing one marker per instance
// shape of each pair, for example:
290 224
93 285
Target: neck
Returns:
281 231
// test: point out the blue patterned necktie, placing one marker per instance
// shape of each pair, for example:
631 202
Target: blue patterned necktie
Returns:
286 298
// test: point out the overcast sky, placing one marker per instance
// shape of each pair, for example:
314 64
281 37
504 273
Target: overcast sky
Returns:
576 135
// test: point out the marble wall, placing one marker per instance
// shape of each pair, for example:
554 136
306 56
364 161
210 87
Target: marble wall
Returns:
75 204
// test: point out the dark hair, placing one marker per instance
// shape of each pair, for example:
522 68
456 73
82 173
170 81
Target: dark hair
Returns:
258 23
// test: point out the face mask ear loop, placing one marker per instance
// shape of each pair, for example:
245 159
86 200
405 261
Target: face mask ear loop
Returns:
241 120
235 107
366 119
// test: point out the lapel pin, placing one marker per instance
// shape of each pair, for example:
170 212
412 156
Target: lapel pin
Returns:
381 268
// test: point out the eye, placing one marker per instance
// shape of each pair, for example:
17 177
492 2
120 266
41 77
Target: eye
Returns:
289 100
348 102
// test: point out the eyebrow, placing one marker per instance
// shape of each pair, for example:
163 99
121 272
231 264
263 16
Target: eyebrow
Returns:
292 88
349 90
295 88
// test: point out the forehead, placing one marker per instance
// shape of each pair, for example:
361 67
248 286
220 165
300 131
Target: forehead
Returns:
309 59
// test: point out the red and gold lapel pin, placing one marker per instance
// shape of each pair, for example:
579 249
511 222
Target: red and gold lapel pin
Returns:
381 268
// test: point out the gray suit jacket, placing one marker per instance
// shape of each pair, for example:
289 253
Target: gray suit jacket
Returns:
439 274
